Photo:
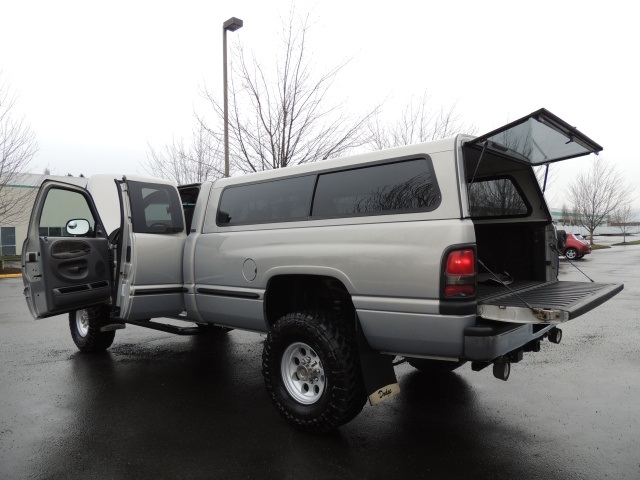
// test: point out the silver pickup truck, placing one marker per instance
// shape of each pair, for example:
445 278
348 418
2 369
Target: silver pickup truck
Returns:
440 253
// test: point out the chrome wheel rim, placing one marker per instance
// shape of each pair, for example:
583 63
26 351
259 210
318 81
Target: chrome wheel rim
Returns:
302 373
82 322
571 254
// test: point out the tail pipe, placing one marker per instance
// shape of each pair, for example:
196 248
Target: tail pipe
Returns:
502 369
555 335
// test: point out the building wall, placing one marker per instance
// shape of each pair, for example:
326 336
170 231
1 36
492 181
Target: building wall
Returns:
607 228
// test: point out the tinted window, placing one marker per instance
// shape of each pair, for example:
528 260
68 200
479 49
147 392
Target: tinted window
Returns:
538 138
155 208
389 188
8 240
59 207
496 198
277 201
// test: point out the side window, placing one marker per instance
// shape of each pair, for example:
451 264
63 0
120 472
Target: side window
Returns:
390 188
60 207
189 197
275 201
7 240
156 208
498 197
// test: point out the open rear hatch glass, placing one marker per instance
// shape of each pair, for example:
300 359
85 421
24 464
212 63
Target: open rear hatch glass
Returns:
542 302
537 139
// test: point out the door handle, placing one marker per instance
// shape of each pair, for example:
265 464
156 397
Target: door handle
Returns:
76 269
72 254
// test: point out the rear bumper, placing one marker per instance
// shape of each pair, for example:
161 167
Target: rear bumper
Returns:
485 343
412 334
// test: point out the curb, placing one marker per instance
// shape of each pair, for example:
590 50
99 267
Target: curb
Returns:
10 275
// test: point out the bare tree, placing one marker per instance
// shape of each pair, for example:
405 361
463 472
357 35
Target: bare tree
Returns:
419 122
566 216
623 218
546 175
596 194
283 117
18 146
497 197
575 215
193 163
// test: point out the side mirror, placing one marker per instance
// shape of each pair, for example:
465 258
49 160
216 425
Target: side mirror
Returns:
77 227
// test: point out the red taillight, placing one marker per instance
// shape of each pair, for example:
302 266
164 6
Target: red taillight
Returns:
460 273
461 262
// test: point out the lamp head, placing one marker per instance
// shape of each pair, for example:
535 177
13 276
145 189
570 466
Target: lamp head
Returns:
232 24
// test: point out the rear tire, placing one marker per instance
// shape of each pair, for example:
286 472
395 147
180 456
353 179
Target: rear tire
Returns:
312 372
85 327
434 367
571 253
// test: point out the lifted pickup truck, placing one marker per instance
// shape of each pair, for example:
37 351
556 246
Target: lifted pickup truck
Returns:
441 253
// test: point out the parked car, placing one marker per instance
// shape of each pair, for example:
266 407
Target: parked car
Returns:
576 246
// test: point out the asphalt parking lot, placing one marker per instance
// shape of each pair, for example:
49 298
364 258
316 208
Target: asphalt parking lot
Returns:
162 406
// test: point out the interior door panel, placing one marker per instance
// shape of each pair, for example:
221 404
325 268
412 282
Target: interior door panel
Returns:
65 257
75 271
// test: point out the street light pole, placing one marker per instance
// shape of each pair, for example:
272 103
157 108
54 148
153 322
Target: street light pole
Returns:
231 25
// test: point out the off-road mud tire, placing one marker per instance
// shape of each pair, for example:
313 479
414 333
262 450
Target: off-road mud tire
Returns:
90 339
333 339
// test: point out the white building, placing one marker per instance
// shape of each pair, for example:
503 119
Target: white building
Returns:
607 228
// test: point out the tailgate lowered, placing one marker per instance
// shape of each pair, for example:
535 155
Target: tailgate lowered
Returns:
551 302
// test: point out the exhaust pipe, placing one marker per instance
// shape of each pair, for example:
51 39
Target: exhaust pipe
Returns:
555 335
501 369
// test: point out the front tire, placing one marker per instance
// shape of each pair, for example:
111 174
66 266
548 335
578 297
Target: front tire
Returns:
311 371
85 328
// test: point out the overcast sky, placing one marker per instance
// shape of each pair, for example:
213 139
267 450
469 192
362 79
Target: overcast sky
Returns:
98 81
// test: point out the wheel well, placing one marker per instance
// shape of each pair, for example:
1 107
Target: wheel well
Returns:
292 293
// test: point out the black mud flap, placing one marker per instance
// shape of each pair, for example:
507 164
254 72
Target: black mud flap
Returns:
377 370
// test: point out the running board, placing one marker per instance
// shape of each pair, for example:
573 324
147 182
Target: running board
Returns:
165 327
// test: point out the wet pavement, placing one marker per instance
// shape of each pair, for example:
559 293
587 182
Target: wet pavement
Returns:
162 406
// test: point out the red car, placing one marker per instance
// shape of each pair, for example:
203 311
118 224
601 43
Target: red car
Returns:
575 246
